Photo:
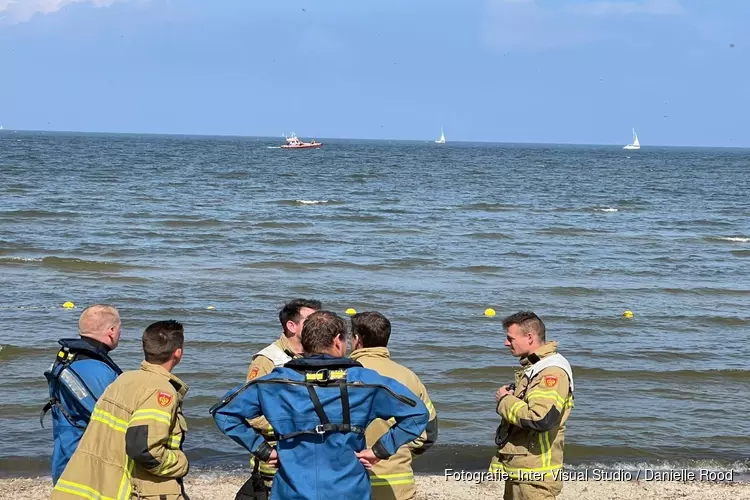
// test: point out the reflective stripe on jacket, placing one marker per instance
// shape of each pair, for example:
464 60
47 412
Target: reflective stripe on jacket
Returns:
534 421
133 445
394 478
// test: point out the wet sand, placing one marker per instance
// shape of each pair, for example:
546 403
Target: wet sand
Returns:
224 487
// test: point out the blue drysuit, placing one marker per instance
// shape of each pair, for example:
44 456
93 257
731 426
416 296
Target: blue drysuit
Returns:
317 447
81 372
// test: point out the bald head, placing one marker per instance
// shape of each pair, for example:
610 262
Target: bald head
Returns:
101 322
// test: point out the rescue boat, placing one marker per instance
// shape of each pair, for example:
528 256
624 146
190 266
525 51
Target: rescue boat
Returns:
293 142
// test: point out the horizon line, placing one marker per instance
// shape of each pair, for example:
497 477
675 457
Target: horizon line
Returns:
171 134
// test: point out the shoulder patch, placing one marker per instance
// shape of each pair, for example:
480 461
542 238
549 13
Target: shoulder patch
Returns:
253 373
550 380
164 398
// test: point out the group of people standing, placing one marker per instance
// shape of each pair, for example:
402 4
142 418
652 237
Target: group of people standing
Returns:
316 421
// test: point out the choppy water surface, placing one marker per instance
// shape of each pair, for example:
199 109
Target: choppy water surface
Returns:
430 235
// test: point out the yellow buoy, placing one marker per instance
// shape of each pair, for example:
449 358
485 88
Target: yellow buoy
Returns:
210 308
489 312
351 311
627 314
69 305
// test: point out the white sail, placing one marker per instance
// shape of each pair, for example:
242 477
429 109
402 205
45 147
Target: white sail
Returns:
442 137
635 144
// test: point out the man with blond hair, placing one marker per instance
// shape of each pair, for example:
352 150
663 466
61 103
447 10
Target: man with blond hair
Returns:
81 372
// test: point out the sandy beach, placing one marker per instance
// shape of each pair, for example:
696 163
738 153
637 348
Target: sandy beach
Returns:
224 487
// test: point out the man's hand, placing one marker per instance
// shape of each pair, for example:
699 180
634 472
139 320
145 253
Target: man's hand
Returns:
367 458
274 459
503 391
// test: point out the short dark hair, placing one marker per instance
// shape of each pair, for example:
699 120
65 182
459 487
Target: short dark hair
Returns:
321 327
291 310
161 340
528 321
372 328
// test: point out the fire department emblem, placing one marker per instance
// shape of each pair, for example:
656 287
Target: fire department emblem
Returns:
164 398
550 381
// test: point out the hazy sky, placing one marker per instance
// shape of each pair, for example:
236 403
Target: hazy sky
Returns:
558 71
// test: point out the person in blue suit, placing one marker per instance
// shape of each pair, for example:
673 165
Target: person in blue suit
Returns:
78 377
319 407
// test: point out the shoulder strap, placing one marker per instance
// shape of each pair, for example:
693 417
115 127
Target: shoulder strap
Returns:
557 360
324 377
61 376
275 354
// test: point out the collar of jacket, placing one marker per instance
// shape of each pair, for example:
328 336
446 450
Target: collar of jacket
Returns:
180 386
371 352
86 347
313 362
96 344
285 346
545 350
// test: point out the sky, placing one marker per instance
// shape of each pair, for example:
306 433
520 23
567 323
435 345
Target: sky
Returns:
540 71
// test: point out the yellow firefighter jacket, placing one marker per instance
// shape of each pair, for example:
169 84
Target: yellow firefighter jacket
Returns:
263 363
132 448
394 478
531 438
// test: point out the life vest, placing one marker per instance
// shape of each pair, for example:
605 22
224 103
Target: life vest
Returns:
319 373
62 377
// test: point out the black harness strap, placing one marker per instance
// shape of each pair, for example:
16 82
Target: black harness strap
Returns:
317 405
345 405
325 424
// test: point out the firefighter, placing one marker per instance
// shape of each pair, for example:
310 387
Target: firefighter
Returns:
391 479
133 447
287 347
531 436
319 407
78 377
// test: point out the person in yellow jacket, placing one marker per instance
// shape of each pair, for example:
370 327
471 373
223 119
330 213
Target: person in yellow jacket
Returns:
391 479
133 446
287 347
533 411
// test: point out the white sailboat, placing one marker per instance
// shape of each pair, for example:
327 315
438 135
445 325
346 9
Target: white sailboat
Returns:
442 137
635 144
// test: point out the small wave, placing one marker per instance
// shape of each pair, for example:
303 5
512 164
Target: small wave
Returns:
682 376
587 373
708 290
569 231
574 291
192 223
68 264
273 147
298 203
40 214
310 266
733 239
282 225
359 218
608 209
8 352
665 466
488 236
479 269
741 253
488 207
233 175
